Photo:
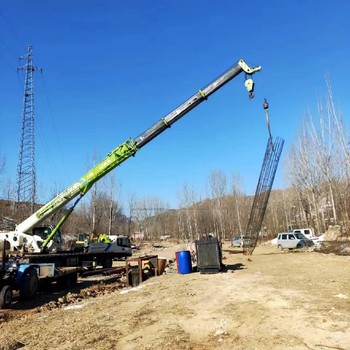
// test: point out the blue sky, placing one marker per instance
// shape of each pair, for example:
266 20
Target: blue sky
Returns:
111 69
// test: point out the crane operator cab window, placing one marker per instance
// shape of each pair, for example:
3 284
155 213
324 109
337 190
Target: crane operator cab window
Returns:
124 242
44 231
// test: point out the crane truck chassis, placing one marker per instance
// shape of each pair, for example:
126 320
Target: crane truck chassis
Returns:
24 271
31 272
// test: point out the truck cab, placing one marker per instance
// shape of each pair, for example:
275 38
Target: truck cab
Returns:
44 231
307 232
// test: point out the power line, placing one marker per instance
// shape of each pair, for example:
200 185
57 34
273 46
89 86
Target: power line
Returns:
12 30
52 116
7 47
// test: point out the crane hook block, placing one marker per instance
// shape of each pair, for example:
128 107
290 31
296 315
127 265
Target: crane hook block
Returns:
249 84
266 105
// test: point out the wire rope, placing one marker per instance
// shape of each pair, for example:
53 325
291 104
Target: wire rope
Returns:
52 117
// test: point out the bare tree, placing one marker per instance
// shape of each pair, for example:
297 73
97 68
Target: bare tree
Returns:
304 176
319 166
112 203
9 190
325 150
2 164
148 211
237 207
217 183
341 157
187 201
132 217
281 213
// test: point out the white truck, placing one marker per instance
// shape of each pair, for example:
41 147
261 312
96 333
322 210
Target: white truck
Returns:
307 232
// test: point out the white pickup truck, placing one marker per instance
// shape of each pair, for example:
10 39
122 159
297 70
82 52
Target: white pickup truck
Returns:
307 232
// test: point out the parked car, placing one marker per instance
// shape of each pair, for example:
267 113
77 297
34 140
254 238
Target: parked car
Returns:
290 240
239 242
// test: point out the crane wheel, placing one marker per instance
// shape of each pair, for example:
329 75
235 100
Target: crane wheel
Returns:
107 262
5 297
29 284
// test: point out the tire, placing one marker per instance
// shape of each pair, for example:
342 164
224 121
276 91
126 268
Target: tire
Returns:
29 284
72 280
280 247
299 246
68 281
107 262
5 297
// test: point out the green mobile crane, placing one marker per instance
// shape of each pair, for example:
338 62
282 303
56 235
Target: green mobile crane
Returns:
23 231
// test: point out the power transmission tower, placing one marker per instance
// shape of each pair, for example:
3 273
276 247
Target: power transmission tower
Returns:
26 175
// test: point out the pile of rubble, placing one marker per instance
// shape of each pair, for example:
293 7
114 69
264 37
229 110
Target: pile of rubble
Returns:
334 233
9 344
4 317
334 247
335 241
91 292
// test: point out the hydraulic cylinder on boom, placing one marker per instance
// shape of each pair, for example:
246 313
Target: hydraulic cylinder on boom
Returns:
123 152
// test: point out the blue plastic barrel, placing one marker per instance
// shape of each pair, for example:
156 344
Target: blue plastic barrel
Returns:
184 264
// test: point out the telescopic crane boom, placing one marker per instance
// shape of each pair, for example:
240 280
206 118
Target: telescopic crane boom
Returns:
129 148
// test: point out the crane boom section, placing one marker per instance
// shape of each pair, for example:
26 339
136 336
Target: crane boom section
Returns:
194 101
80 187
131 146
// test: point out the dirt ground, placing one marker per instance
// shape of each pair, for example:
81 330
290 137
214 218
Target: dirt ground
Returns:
270 300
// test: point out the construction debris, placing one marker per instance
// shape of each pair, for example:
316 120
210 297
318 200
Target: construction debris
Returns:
92 292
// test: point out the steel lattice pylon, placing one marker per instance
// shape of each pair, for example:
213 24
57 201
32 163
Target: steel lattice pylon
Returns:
26 175
263 190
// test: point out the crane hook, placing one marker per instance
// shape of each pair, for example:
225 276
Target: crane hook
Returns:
249 84
266 105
